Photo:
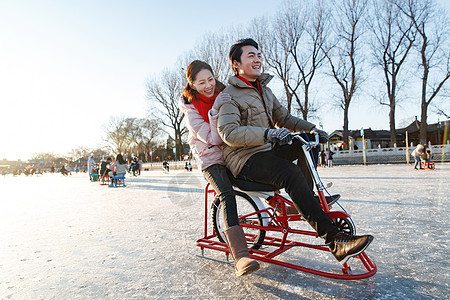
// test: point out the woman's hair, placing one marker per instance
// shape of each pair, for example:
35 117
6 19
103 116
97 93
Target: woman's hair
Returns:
120 159
236 51
191 73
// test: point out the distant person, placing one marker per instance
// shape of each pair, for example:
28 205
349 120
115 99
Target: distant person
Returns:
330 158
104 170
119 166
65 170
417 154
428 155
91 163
166 166
323 158
134 166
68 168
140 163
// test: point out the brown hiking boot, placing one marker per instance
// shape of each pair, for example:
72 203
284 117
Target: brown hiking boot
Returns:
343 246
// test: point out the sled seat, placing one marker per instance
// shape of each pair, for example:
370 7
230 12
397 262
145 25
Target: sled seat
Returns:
118 180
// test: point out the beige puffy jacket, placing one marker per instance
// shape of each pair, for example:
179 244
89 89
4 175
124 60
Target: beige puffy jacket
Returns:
243 121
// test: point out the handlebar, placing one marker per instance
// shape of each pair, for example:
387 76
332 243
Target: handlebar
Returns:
298 135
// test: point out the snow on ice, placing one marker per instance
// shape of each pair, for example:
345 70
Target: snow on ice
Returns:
69 238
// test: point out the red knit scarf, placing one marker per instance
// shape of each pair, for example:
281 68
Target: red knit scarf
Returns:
203 104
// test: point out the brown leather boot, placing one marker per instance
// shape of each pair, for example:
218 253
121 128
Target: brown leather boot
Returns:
237 244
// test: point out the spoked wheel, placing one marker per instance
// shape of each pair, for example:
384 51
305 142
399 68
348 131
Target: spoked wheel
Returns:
245 207
346 225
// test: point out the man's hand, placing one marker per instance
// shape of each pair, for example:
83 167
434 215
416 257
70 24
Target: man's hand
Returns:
281 136
323 136
220 100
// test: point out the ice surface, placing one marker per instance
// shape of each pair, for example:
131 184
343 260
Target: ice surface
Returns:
69 238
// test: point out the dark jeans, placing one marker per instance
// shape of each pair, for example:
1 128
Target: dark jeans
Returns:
275 167
218 178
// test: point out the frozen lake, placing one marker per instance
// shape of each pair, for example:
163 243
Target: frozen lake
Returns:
69 238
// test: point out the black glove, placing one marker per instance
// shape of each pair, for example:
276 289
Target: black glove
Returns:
323 136
281 136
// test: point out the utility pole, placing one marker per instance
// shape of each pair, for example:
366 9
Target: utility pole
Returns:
364 146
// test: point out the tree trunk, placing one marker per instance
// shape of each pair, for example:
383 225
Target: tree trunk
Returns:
424 105
345 129
423 123
392 123
288 97
305 108
392 108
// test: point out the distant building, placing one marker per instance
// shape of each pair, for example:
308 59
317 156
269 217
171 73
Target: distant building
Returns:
435 132
381 138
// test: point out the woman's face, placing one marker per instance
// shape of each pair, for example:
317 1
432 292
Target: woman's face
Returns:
204 83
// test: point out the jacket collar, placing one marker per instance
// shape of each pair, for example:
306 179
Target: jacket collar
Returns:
264 80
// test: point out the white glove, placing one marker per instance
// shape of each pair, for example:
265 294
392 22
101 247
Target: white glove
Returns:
220 100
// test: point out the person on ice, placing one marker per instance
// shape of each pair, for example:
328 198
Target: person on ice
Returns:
418 154
251 123
91 164
200 102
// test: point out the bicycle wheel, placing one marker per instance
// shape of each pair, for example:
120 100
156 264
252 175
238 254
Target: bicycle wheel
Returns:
245 206
345 224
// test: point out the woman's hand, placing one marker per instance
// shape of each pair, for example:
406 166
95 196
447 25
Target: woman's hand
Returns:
220 100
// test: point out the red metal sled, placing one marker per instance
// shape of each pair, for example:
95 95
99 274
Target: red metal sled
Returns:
280 223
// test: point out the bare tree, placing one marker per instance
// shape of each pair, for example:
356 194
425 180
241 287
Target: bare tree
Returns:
292 47
432 28
344 55
119 134
80 153
276 53
307 50
393 37
147 137
164 92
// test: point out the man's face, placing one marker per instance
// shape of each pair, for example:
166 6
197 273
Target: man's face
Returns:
250 65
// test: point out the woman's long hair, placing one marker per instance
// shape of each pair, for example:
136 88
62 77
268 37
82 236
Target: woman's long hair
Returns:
189 94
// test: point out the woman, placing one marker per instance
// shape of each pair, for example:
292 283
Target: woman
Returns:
120 166
200 102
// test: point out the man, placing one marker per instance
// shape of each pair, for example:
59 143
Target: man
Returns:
255 119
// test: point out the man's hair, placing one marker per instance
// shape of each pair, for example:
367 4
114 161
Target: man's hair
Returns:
236 51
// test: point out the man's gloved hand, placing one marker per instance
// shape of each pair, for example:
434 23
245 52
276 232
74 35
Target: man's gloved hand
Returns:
220 100
323 136
281 136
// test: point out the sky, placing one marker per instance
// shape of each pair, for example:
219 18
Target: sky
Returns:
67 67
